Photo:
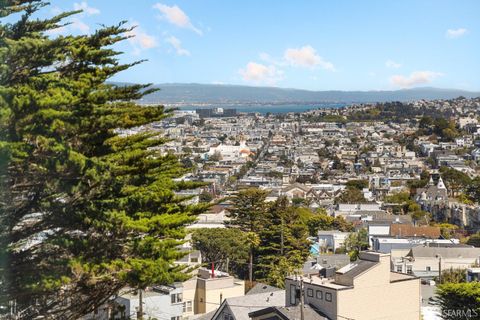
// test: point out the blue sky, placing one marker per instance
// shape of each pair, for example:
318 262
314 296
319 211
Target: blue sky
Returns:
317 45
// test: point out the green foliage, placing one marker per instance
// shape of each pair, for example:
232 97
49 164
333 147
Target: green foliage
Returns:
408 206
306 179
298 201
322 221
357 184
474 240
455 180
356 242
351 195
389 111
244 169
205 197
439 126
459 300
416 184
101 207
218 244
283 243
276 234
275 174
326 118
473 190
420 216
216 156
248 210
463 198
399 198
447 229
453 276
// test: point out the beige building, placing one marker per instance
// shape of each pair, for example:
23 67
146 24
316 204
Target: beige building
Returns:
208 291
365 289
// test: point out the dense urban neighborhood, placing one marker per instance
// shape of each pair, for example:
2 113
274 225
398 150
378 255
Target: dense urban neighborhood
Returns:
234 160
325 212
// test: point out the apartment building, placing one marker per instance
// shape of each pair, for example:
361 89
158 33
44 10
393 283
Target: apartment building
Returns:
365 289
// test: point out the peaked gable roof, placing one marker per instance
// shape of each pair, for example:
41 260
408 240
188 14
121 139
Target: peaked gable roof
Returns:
241 306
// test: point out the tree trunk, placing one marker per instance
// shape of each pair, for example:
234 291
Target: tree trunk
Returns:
140 305
250 267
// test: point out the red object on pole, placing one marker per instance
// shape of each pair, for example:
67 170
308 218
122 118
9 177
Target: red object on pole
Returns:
213 271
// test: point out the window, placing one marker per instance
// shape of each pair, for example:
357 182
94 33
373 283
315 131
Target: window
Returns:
176 318
226 316
409 269
194 260
399 268
176 298
310 292
319 294
328 297
187 306
428 268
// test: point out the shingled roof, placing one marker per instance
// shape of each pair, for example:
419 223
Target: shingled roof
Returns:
406 230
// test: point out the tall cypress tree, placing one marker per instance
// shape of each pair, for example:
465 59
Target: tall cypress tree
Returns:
248 214
86 209
284 246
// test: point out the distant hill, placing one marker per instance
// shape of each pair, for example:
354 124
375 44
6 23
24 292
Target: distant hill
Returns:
177 93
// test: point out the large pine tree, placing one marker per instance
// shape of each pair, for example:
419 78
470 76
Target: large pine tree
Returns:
284 246
85 210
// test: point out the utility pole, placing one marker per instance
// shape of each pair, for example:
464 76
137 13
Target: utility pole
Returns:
440 269
302 316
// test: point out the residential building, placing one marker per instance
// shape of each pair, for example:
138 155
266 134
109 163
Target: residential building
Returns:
424 261
286 313
365 289
238 308
331 240
161 302
213 288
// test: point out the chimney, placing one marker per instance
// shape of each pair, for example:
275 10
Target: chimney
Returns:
213 270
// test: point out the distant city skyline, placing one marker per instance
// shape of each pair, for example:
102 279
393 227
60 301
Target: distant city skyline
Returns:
335 45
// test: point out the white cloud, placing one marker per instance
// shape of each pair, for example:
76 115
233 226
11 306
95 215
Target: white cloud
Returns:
455 33
259 73
177 44
86 8
176 16
57 31
55 10
79 25
265 57
140 40
306 56
392 64
415 78
76 26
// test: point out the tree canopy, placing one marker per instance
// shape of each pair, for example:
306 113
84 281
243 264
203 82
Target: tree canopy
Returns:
459 300
222 246
283 241
85 210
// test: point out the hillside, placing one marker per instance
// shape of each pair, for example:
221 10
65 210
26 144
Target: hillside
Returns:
233 94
